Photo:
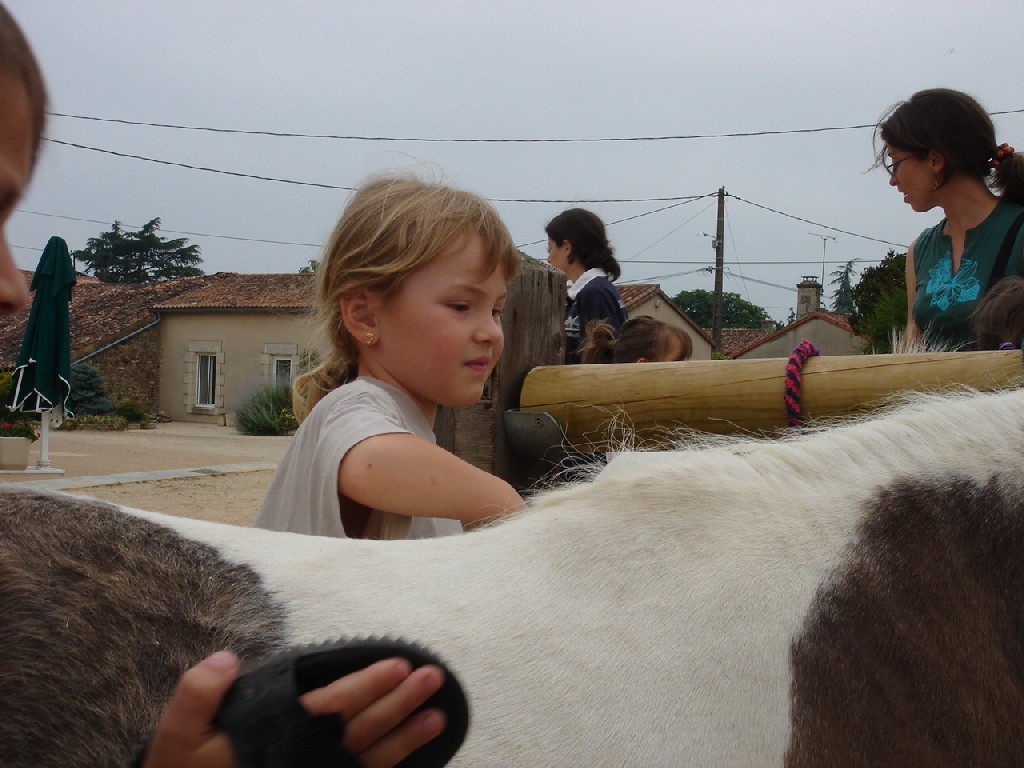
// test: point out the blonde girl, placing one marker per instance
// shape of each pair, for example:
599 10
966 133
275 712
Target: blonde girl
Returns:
409 294
380 702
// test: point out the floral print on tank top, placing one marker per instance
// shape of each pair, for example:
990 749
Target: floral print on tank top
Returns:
947 289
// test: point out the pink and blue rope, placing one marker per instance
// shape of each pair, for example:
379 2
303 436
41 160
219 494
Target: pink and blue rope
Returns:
794 381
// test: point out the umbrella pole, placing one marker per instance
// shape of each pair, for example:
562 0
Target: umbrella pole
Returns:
44 441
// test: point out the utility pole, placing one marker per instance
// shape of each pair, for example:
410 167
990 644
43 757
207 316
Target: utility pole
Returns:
824 242
719 243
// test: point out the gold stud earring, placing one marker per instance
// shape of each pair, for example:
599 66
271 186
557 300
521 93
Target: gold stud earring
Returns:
369 337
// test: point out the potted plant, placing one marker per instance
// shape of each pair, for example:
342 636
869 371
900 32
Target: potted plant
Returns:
15 439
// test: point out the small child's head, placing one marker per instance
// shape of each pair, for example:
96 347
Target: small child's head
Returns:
22 115
392 227
643 339
999 318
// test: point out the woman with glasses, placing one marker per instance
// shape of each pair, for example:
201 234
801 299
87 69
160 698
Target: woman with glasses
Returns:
940 150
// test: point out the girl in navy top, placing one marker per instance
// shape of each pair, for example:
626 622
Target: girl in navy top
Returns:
578 245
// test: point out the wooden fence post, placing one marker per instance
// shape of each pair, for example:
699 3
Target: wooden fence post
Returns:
533 322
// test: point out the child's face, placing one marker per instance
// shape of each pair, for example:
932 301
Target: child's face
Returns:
15 171
441 336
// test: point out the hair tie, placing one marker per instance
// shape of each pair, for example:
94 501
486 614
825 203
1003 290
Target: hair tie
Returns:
1007 345
1003 151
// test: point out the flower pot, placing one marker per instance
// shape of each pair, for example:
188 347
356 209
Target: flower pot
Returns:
14 452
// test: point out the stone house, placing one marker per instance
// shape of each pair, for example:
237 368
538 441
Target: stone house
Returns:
112 328
193 348
230 335
830 331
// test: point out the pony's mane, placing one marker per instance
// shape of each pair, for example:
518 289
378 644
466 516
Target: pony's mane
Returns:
918 434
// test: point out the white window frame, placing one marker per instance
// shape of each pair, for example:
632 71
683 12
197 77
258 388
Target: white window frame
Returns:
275 375
206 380
272 353
195 351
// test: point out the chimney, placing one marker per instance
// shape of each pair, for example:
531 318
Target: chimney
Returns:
808 296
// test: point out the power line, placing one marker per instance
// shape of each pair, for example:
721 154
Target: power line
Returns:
676 200
172 231
198 167
684 201
748 263
668 234
238 174
578 140
816 224
759 282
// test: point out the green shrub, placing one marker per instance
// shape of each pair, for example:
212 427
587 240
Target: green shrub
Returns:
6 381
104 423
267 412
15 423
131 412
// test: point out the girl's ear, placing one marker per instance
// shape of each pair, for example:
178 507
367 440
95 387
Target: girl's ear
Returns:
359 313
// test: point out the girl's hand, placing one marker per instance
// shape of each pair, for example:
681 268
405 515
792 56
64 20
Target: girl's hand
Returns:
376 703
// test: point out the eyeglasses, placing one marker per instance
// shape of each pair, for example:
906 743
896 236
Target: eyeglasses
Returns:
893 166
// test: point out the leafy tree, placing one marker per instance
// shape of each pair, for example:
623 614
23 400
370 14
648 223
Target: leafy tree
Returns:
880 303
123 256
737 312
310 268
842 300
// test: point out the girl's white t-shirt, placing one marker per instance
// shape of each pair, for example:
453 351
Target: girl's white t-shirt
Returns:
303 494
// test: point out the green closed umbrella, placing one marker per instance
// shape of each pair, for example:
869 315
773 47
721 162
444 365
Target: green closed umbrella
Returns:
42 374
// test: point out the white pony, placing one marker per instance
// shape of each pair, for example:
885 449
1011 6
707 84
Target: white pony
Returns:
849 597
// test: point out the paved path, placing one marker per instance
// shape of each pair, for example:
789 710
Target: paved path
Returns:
176 449
91 481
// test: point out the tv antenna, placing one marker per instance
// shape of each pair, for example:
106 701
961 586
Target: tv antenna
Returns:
824 243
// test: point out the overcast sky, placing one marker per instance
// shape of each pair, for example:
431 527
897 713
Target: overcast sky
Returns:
518 69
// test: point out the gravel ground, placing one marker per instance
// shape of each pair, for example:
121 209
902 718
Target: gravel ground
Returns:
228 497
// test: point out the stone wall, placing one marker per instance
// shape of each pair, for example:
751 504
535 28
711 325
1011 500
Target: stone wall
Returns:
131 370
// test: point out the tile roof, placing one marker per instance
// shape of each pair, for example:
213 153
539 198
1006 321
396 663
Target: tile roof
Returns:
100 313
635 294
735 339
234 290
103 313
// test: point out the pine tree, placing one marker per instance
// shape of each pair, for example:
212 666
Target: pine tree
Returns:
123 256
842 300
88 392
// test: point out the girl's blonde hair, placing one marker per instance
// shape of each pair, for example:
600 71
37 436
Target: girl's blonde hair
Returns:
391 227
